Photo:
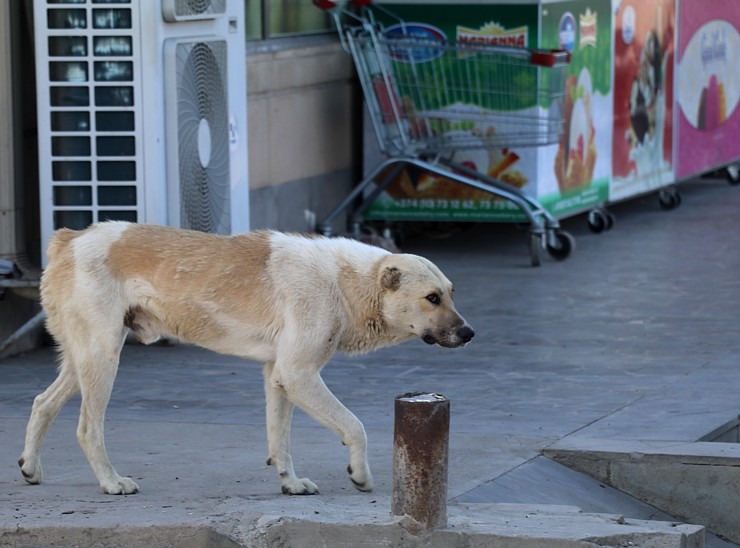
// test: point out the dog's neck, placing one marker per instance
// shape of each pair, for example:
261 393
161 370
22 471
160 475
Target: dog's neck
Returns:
366 328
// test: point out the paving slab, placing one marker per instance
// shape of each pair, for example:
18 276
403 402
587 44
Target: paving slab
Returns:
633 338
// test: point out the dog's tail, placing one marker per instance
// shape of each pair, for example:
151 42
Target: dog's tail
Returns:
59 242
57 278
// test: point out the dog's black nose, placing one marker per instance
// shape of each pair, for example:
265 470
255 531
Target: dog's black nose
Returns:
466 333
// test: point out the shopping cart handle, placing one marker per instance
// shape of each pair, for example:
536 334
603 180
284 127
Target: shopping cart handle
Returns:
549 58
325 4
561 52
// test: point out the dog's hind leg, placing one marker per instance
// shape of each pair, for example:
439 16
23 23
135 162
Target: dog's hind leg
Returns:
46 407
96 376
279 414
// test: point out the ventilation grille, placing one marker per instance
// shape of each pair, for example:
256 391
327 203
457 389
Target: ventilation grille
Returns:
188 10
203 136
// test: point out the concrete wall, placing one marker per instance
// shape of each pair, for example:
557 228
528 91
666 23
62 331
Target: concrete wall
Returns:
9 207
17 205
304 126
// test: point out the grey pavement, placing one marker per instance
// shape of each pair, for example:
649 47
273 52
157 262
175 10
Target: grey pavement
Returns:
632 340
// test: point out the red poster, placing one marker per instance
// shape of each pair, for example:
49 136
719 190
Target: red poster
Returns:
642 144
708 85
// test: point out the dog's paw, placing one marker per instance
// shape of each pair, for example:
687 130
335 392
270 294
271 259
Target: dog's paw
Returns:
299 486
363 480
120 486
31 470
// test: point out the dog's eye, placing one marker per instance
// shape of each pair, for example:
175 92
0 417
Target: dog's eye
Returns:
433 298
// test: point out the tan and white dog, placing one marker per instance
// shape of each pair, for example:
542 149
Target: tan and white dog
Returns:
289 301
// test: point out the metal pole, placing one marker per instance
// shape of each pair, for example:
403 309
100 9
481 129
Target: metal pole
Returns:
420 452
23 330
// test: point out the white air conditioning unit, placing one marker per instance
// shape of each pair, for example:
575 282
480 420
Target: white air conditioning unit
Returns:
142 113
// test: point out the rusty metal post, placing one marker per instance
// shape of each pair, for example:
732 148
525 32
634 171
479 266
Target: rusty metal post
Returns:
420 451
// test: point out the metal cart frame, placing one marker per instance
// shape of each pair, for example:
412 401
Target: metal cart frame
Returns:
405 81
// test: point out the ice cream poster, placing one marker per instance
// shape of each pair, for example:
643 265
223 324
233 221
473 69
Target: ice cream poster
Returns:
580 165
642 145
708 86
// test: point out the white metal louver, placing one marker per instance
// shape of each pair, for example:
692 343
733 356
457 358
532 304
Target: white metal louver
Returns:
188 10
198 121
142 113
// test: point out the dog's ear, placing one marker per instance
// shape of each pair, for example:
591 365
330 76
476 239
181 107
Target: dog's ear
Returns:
391 278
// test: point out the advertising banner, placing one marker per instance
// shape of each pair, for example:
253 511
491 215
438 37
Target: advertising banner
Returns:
575 174
708 130
418 195
643 96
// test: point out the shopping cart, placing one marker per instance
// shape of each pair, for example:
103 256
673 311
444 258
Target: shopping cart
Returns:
428 100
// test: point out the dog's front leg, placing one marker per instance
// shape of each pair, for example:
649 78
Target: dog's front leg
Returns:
279 413
306 389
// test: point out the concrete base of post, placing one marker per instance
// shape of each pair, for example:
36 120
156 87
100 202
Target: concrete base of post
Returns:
420 455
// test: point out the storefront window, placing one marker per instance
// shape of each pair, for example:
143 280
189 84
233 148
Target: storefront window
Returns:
279 18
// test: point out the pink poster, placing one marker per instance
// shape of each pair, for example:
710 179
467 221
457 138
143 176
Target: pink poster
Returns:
708 85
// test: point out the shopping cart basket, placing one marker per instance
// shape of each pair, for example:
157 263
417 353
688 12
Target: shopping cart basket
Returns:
428 99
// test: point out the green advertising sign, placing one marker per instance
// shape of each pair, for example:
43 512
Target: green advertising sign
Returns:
476 87
582 163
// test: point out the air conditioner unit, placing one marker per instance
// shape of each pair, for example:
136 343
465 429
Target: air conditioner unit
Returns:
142 113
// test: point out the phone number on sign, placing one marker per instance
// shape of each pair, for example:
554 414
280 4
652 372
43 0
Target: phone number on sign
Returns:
444 204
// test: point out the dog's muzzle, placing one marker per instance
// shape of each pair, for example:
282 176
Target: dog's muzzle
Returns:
451 339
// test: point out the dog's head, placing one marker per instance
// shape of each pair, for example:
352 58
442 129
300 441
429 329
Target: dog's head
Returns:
417 301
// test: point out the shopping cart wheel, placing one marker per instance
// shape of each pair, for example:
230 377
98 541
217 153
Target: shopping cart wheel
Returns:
535 248
669 198
600 220
732 173
562 247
